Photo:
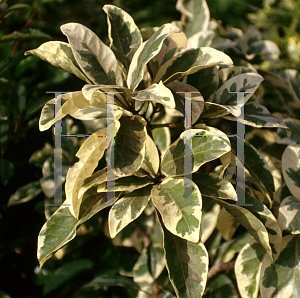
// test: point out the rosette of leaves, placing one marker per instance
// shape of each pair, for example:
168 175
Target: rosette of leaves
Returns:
134 87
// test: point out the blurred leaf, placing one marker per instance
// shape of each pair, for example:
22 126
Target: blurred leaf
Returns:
222 285
291 169
25 193
7 170
25 34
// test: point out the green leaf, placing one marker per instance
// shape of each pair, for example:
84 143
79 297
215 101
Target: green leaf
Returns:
130 145
162 138
59 54
291 169
25 35
151 161
156 93
289 215
178 89
52 280
123 33
25 193
207 145
256 115
89 154
181 216
127 209
247 269
146 52
222 285
281 278
189 62
97 60
62 225
126 183
7 170
156 254
187 265
104 281
246 82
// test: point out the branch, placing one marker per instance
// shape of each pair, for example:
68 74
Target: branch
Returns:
215 269
171 125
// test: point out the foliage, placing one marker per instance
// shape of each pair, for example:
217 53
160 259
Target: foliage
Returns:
183 221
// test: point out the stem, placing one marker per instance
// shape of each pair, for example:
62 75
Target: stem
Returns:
215 269
171 125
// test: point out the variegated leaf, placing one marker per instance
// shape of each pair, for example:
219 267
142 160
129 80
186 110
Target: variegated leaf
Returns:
247 269
291 169
181 216
151 161
127 209
256 115
130 145
211 185
254 218
62 225
156 93
284 137
187 265
258 168
210 212
226 95
285 270
142 276
227 224
171 46
97 60
189 62
289 215
200 39
146 52
179 90
126 184
59 54
124 35
208 86
89 154
207 145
